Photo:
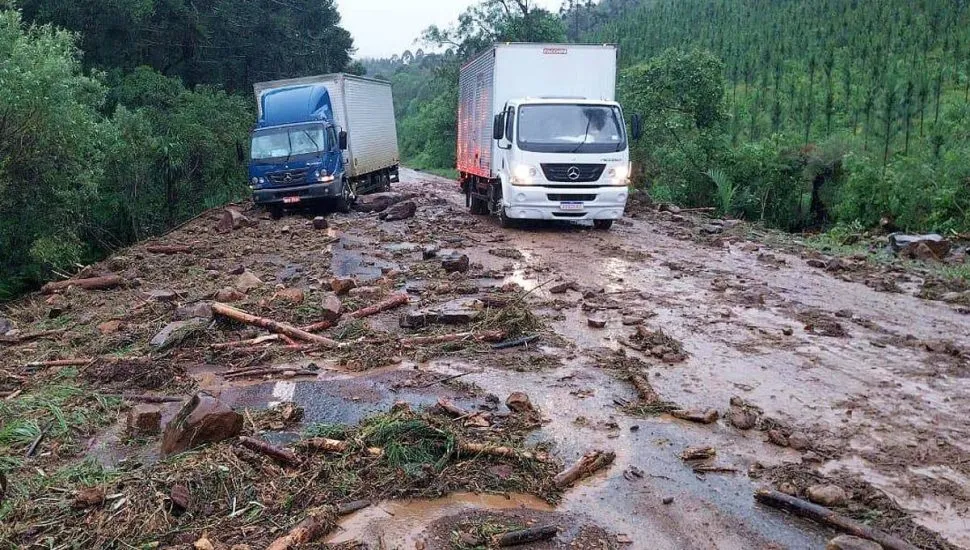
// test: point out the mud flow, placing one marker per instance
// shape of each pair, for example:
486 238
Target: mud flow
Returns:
412 376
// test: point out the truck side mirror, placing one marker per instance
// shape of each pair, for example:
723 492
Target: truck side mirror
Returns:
342 140
637 124
498 127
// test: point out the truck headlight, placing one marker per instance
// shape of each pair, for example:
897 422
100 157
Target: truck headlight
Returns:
322 177
523 174
619 174
254 181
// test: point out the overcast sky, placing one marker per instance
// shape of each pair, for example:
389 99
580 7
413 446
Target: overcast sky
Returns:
385 27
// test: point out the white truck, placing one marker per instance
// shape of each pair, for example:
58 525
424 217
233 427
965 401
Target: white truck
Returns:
325 137
540 135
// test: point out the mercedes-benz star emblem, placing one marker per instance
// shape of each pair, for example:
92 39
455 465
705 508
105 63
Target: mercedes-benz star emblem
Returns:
288 178
573 173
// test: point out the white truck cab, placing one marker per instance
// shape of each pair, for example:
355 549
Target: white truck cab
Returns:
540 136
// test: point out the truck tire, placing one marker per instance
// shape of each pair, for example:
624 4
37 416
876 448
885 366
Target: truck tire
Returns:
477 205
346 200
602 225
275 211
386 181
504 220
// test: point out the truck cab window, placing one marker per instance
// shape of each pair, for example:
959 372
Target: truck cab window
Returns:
332 136
509 123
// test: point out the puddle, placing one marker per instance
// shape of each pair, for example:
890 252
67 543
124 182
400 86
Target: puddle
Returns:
403 522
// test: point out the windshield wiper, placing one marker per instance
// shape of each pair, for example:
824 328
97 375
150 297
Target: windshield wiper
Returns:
289 147
589 122
313 141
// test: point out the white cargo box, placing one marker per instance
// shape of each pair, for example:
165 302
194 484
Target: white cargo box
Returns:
364 108
519 71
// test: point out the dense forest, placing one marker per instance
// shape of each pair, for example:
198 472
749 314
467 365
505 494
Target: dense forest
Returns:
812 112
121 118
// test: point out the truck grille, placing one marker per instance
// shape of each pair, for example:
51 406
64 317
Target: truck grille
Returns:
573 173
288 178
561 197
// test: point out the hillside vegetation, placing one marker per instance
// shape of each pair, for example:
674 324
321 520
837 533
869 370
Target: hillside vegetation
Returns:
811 112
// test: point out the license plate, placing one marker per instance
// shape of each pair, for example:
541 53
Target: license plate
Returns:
291 200
571 206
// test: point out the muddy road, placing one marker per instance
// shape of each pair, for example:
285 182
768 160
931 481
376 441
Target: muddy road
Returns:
819 375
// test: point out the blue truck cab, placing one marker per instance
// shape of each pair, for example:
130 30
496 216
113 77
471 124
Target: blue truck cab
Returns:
296 152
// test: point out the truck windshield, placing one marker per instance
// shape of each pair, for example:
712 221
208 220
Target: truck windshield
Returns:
555 128
289 142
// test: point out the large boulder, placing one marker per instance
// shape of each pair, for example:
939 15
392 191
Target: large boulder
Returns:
455 312
231 220
378 202
144 420
827 495
177 331
203 419
921 247
400 211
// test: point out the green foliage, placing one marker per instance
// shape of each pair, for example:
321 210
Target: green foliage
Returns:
92 162
725 190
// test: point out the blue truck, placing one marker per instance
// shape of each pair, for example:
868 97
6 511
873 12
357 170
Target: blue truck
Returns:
322 138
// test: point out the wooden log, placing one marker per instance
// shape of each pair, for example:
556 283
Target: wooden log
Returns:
310 529
644 389
40 437
246 343
335 446
452 409
829 518
168 249
708 416
271 325
317 327
25 338
504 452
94 283
586 466
525 536
487 336
394 301
280 455
270 370
80 362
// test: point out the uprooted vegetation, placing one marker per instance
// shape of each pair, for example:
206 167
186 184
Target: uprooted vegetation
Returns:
241 496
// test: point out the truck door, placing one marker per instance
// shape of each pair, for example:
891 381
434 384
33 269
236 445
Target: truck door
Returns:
508 139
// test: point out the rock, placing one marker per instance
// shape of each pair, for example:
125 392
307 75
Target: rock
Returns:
238 270
848 542
455 312
342 285
331 307
778 437
247 281
400 211
816 263
88 497
320 223
366 292
203 419
429 252
6 325
181 498
162 295
204 544
632 320
292 296
788 488
285 229
502 471
668 501
562 288
519 402
828 495
509 253
144 420
672 208
175 332
198 310
108 328
377 202
469 540
743 419
712 229
228 295
456 263
231 220
799 441
934 245
596 322
708 416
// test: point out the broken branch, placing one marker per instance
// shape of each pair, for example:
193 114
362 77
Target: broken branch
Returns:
307 531
827 517
94 283
504 452
488 336
533 534
168 249
271 325
394 301
586 466
335 446
280 455
245 343
644 389
80 362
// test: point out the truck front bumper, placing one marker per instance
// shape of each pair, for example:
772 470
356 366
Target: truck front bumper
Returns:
279 195
546 203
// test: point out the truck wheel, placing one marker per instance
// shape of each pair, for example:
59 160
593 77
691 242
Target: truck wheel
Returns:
504 220
275 211
602 225
477 205
386 182
346 199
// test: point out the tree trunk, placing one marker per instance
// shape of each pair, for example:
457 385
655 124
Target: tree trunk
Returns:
271 325
95 283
